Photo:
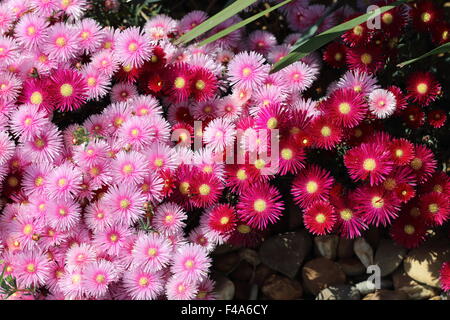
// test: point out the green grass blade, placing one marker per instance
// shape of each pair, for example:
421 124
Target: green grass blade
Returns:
442 49
242 23
329 35
215 20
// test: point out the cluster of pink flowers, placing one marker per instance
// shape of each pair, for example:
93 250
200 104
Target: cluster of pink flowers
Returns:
100 210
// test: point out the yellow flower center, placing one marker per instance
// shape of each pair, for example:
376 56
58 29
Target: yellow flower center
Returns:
85 35
438 188
66 90
158 162
169 219
244 229
260 205
28 229
325 131
127 169
62 212
224 220
38 142
100 278
62 182
369 164
338 56
204 189
312 187
31 267
200 85
358 30
390 184
387 18
38 181
184 187
422 88
143 281
346 214
416 164
399 153
31 30
426 17
344 108
189 264
272 123
377 202
366 58
132 47
260 164
433 207
60 41
114 237
246 72
241 175
36 98
409 229
124 204
320 218
91 81
287 154
152 252
180 82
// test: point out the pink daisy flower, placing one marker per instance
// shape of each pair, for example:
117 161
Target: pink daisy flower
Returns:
63 215
43 7
136 133
219 134
205 190
61 43
151 252
31 269
219 222
191 263
152 187
298 76
146 105
260 205
247 69
320 218
9 50
64 182
35 177
97 277
112 240
126 203
141 285
169 218
96 217
132 48
191 20
73 8
31 31
7 147
160 127
361 82
129 167
116 114
382 103
347 107
45 146
10 86
261 41
180 289
79 256
424 164
435 208
71 285
97 83
27 121
6 18
161 157
105 62
90 36
349 221
122 92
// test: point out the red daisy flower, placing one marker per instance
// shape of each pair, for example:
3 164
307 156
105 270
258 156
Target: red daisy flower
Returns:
439 182
335 54
425 15
423 163
399 176
414 117
128 74
376 205
239 177
359 35
437 118
349 221
179 82
319 218
154 83
245 236
435 208
203 84
205 190
357 135
260 205
405 192
346 107
311 185
366 58
402 151
222 219
369 161
400 98
324 132
441 33
423 88
394 20
68 90
408 232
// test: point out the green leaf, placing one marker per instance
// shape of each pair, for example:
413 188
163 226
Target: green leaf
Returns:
242 23
442 49
215 20
329 35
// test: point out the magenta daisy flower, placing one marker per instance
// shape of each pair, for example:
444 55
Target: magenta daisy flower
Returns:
369 161
324 132
292 158
261 41
169 218
260 205
311 185
320 218
141 285
191 263
376 205
35 92
191 20
69 90
435 208
31 269
126 203
424 164
132 48
152 187
152 252
205 190
444 276
64 182
347 107
349 221
219 222
248 70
